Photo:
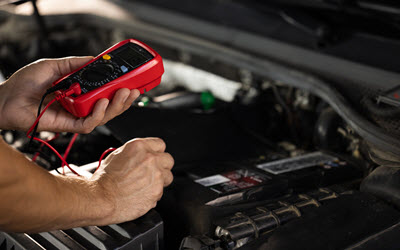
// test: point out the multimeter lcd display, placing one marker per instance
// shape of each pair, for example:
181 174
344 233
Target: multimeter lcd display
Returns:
134 56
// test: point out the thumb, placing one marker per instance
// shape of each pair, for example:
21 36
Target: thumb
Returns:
46 71
66 65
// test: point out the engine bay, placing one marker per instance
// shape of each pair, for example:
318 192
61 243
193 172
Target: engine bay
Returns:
259 163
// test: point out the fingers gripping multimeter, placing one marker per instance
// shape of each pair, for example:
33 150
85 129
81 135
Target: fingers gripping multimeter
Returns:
128 64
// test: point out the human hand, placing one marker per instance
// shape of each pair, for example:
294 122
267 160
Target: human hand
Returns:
21 93
132 178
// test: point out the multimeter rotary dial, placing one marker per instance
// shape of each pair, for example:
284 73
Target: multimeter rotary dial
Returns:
98 74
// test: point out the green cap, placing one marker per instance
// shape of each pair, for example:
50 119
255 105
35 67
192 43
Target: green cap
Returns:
207 100
144 101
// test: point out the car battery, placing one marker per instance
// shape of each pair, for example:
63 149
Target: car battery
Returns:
227 183
203 192
312 170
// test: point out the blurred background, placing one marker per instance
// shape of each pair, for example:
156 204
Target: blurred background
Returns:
282 117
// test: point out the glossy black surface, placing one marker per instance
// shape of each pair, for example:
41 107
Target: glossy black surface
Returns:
98 72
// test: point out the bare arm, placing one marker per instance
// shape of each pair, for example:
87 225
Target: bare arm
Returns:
35 200
129 183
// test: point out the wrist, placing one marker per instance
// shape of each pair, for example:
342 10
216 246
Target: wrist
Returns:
106 203
90 204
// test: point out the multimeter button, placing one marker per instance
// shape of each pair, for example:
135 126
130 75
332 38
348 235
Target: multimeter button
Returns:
106 57
124 68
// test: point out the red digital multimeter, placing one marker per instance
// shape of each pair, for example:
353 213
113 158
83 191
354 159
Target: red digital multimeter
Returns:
128 64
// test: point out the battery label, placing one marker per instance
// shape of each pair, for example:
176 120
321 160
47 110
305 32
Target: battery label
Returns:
212 180
233 180
297 163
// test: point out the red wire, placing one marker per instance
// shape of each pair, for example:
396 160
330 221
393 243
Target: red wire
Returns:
34 158
104 154
58 154
38 118
44 142
70 145
64 162
73 139
36 155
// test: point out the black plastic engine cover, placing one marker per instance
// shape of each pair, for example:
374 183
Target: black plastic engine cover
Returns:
145 233
189 136
384 182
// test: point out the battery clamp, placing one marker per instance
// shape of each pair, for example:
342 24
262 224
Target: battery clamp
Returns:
128 64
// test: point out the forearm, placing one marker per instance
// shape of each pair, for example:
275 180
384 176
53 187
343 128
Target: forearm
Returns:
3 101
34 200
